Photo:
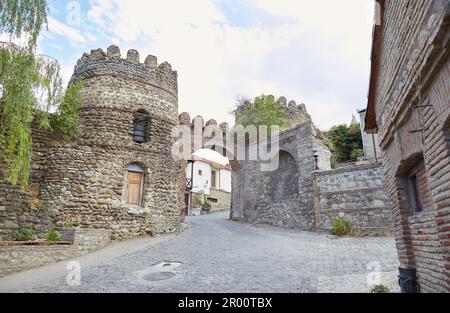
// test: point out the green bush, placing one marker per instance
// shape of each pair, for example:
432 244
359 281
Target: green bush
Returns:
202 202
25 234
206 206
380 289
341 227
53 235
345 142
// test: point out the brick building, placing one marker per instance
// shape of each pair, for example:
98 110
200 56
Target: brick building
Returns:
408 107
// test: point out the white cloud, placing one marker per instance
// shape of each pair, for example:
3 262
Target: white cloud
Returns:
218 60
73 35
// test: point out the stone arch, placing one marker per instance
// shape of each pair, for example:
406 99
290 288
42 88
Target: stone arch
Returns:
135 162
284 180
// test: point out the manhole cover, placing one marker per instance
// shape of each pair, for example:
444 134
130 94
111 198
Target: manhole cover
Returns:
157 276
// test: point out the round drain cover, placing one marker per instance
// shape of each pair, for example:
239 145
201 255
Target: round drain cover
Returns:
157 276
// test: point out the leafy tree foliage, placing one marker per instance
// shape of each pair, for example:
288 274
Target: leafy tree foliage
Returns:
20 18
345 142
66 121
264 110
30 88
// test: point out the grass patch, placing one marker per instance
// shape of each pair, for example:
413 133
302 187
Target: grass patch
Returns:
341 227
53 235
25 234
380 289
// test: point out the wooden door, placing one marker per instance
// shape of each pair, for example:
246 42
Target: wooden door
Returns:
134 188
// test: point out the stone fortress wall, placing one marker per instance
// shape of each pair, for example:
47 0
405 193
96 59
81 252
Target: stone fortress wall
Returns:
298 196
356 192
82 183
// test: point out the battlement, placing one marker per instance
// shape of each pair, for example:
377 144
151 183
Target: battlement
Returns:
99 63
199 122
295 113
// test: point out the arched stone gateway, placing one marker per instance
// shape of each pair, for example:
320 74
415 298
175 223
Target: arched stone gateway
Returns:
281 195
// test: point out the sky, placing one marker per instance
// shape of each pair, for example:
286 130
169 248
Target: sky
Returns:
314 52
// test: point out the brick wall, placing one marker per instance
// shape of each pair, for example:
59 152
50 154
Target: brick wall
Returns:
412 105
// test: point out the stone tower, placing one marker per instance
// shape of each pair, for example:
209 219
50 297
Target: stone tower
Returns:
120 174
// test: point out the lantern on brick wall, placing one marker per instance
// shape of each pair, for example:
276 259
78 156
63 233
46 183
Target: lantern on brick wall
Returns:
408 280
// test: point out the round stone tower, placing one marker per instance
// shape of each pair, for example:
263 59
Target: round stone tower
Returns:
119 174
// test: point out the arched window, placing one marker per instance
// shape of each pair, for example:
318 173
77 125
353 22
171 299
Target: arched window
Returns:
134 185
140 126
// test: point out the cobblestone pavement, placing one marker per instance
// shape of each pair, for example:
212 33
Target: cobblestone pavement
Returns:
218 255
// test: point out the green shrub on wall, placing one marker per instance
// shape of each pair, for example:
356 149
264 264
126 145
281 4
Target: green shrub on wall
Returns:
53 235
25 234
341 227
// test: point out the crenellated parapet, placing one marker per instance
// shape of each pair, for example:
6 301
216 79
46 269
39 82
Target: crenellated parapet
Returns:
100 63
295 113
198 122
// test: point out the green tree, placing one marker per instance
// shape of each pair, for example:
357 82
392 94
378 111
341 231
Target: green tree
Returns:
345 142
23 19
30 87
264 110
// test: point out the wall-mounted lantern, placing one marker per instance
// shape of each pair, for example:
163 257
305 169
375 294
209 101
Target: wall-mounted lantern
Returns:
316 155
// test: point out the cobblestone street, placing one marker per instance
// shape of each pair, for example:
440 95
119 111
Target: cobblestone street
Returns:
218 255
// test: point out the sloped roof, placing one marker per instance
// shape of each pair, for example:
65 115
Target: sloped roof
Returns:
213 164
371 119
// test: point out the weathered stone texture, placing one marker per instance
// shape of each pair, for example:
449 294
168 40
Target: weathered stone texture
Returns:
223 200
282 197
413 115
82 182
356 193
19 258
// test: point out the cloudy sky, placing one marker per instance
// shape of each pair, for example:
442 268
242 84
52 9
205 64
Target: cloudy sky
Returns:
316 52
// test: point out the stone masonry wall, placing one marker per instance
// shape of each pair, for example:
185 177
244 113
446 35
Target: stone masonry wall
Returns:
24 208
223 200
81 183
356 193
282 197
18 258
85 182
